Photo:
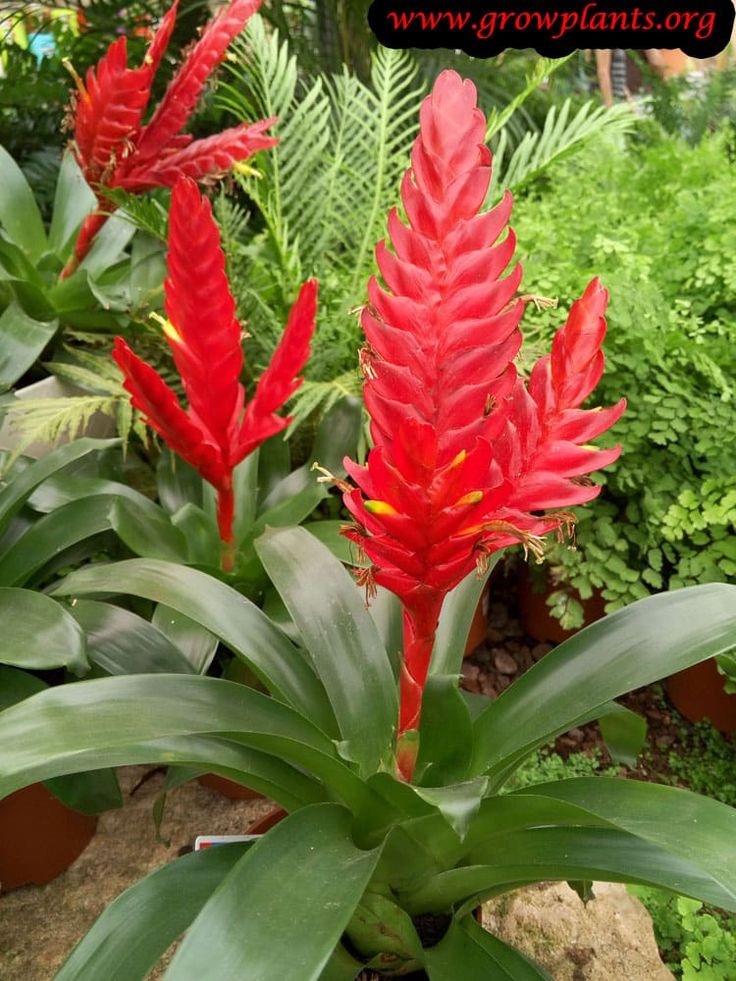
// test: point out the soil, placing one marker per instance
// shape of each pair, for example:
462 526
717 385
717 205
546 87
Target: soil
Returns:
40 925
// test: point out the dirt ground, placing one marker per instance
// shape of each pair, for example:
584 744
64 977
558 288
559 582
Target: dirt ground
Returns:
40 925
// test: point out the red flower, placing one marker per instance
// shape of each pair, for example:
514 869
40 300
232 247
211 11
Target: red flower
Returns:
218 430
114 148
466 455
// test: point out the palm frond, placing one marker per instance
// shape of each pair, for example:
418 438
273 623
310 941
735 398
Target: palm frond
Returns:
560 137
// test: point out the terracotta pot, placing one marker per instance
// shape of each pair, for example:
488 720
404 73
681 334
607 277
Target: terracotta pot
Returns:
264 824
228 788
479 624
535 615
39 837
697 693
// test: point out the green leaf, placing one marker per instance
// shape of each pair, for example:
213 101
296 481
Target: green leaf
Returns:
200 531
328 532
73 201
274 464
89 793
16 685
178 483
138 927
341 966
336 438
120 642
19 214
196 643
311 850
468 951
108 246
51 535
446 733
38 633
586 828
116 720
341 638
67 487
14 496
147 530
624 733
386 611
458 803
561 854
631 648
455 620
22 339
227 614
697 829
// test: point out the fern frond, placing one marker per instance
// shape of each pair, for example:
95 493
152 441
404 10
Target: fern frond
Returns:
99 376
560 136
146 213
50 420
320 396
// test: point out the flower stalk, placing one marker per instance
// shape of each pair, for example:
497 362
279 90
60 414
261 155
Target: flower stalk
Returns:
467 457
115 149
219 429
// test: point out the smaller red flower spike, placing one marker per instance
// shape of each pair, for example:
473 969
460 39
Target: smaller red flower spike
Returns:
467 457
218 430
114 149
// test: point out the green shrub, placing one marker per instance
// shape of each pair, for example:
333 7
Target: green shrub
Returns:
658 225
697 943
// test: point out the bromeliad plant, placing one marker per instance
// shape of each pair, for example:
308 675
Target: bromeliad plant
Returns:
116 150
219 430
369 855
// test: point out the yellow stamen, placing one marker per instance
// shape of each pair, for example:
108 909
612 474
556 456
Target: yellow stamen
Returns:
168 328
246 170
380 507
329 478
460 458
472 498
77 80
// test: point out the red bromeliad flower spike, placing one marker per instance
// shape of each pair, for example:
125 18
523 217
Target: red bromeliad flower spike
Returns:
114 148
467 457
218 430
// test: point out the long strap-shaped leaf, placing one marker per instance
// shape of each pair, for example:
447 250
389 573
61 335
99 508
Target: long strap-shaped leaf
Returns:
14 496
467 951
564 854
250 925
99 723
135 931
51 535
227 614
697 830
342 640
632 647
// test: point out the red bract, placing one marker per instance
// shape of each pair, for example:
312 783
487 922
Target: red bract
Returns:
467 456
218 430
114 148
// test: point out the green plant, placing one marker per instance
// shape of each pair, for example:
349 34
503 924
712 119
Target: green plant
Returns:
697 943
322 194
666 515
43 317
397 827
